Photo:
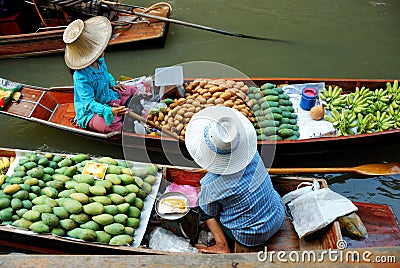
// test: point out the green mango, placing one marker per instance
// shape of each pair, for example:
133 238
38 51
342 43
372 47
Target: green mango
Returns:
114 228
94 208
80 218
91 225
72 206
103 237
122 239
50 219
22 223
103 219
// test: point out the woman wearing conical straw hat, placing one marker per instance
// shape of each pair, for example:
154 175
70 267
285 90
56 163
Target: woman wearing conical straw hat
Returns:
98 100
237 199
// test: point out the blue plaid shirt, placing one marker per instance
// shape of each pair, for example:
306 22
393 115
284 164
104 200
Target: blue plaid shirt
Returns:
92 92
246 202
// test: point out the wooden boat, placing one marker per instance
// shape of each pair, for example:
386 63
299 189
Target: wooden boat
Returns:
19 36
54 107
379 220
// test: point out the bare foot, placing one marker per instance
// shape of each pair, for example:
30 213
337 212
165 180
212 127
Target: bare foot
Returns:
217 248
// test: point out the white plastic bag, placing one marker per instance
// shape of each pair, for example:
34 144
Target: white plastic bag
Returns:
162 239
316 209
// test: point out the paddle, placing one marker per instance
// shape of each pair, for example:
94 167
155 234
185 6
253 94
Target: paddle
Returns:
368 169
193 25
151 124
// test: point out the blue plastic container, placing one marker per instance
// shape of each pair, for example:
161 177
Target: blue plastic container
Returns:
308 98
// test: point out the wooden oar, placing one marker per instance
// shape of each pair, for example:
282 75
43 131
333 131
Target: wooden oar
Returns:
151 124
110 5
367 169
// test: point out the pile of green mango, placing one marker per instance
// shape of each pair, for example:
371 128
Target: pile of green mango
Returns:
49 194
274 113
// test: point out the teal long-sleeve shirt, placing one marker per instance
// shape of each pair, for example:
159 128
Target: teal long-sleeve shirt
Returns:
92 92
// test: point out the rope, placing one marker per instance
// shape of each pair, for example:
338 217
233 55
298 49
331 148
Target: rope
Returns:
40 15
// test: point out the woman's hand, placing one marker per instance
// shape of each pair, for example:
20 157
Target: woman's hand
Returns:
120 87
119 110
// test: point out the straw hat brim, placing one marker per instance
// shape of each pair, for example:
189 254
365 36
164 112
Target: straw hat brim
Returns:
86 41
207 158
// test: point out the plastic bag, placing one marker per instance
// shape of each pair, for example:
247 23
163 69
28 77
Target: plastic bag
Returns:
316 209
142 85
162 239
190 191
150 107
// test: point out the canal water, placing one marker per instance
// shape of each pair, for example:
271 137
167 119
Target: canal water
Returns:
325 38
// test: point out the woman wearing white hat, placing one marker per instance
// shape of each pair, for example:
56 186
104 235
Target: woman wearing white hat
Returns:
98 100
237 199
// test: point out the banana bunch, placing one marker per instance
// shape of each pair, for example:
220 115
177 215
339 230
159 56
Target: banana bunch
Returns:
333 97
343 122
365 123
377 106
5 163
395 114
381 95
358 102
383 121
394 93
394 90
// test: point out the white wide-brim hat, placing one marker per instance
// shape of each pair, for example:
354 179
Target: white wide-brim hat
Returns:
221 140
86 41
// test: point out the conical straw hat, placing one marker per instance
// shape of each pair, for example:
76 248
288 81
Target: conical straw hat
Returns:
86 41
221 140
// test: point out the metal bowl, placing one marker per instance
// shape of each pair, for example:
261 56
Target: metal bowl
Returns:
172 216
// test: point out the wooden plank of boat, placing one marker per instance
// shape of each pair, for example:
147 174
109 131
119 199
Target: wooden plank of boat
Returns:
386 257
286 239
319 151
127 32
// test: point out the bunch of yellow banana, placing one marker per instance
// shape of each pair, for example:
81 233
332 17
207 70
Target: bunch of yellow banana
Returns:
394 93
377 106
381 95
365 123
5 163
358 102
395 114
344 121
333 97
383 121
